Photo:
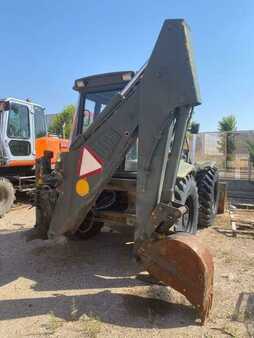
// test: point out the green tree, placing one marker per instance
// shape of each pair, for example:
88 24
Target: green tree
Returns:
61 124
227 126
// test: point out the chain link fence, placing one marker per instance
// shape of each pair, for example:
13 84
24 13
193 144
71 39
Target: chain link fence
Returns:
231 151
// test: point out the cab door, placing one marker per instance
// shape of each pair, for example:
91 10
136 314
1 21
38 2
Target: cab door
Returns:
20 135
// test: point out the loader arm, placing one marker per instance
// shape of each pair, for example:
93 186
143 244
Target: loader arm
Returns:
155 108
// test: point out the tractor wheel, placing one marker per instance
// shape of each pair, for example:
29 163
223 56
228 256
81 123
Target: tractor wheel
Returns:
207 181
186 193
7 195
89 228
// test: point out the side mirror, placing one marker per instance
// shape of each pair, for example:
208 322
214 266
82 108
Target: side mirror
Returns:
194 129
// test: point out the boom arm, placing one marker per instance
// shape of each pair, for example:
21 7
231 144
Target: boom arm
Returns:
155 107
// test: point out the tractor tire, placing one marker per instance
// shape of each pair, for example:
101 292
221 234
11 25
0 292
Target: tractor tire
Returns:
186 193
89 228
7 195
207 182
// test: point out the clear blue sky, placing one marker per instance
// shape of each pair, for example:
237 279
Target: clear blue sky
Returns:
46 44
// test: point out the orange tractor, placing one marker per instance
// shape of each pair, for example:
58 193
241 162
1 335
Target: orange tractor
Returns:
23 139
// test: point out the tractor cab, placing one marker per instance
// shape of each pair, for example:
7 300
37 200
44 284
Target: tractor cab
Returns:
95 93
23 140
21 122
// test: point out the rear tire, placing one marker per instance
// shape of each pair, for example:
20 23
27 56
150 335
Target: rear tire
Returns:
7 195
207 181
89 228
186 193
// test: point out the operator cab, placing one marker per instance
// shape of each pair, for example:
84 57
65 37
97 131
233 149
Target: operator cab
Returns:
21 121
95 94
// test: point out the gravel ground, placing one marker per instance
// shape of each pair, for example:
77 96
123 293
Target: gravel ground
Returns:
88 289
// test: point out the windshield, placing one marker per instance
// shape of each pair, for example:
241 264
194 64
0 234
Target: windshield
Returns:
18 122
93 105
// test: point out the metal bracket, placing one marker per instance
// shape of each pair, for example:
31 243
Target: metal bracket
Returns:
167 213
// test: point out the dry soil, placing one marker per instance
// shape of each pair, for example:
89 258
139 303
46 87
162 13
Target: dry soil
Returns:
88 289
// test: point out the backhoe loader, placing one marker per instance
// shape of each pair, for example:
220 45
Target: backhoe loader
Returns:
126 165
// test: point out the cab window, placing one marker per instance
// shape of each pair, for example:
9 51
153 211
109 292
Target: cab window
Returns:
39 122
18 122
93 105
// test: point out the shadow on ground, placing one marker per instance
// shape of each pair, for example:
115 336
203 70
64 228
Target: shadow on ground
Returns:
105 262
114 308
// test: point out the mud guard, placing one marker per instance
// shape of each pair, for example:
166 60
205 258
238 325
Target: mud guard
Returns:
183 263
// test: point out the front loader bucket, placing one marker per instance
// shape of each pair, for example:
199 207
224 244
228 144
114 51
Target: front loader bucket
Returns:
183 263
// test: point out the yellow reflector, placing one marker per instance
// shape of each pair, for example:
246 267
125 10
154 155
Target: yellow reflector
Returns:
82 187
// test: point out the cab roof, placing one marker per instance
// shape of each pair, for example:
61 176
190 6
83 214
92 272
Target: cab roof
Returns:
103 80
13 99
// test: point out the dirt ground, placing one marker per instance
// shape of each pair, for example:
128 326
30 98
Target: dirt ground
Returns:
88 289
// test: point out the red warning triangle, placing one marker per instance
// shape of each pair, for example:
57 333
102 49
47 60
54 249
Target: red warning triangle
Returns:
90 163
